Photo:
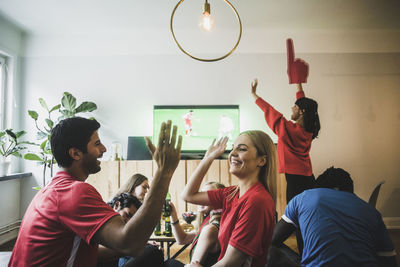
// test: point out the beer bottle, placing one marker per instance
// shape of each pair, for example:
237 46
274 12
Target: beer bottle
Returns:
157 230
168 228
167 209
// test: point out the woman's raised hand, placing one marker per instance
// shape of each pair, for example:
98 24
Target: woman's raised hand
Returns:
217 149
254 88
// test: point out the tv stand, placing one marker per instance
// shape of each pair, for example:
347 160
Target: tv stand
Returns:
192 155
189 156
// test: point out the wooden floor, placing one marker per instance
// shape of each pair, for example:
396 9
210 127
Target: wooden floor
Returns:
291 242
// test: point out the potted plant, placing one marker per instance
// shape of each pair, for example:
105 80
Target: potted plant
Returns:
66 109
10 146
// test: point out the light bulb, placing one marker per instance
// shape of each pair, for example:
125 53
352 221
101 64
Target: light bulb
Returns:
206 22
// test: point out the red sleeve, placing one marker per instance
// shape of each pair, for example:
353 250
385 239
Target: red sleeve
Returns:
83 210
216 198
249 234
274 119
300 94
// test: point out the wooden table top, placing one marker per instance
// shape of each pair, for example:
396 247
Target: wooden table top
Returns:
162 238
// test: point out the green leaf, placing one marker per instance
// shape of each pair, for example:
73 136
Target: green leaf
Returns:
37 188
86 107
41 135
2 133
55 108
48 151
31 156
17 154
50 123
68 101
67 113
33 114
12 134
27 143
48 146
43 145
20 133
43 104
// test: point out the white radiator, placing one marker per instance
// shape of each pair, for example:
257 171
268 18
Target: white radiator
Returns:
9 231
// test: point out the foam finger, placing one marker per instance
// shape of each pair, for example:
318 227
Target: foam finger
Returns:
290 52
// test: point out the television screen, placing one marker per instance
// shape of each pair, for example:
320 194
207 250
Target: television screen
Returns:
199 125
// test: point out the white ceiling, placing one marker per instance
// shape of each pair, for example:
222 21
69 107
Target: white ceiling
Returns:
85 16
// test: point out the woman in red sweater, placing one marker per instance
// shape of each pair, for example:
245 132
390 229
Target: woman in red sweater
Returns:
294 139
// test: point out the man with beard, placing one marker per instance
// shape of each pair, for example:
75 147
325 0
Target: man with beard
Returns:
67 220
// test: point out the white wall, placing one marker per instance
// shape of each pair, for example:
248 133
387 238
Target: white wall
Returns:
11 45
354 76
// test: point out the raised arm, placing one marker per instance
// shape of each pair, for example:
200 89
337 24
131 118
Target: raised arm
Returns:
254 88
131 238
191 192
181 236
300 88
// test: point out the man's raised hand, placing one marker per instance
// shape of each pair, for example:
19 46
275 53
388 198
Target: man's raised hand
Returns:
167 153
297 68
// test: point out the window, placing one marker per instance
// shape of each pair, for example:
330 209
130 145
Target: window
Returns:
3 83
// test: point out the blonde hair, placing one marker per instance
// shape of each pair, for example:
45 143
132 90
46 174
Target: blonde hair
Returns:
268 173
130 185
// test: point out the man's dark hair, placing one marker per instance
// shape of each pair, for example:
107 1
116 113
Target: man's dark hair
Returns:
335 178
71 133
125 201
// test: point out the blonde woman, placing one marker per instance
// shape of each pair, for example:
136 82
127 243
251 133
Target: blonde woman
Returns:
248 209
205 247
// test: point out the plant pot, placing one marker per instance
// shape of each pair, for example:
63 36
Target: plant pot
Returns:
4 167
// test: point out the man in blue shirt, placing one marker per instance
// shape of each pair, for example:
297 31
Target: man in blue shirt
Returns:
338 228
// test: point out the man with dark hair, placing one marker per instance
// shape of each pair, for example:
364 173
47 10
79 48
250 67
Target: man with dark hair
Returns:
126 205
338 228
67 219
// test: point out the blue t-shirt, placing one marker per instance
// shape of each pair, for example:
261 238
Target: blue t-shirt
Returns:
338 228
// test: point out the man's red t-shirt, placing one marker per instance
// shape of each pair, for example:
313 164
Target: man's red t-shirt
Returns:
59 223
247 223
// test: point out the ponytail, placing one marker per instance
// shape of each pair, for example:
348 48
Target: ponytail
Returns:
310 115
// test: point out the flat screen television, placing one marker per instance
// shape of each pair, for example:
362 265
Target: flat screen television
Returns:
199 125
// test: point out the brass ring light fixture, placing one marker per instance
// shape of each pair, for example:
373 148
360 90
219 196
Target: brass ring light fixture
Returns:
206 9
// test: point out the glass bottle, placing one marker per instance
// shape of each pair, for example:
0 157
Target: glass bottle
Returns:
157 230
167 209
